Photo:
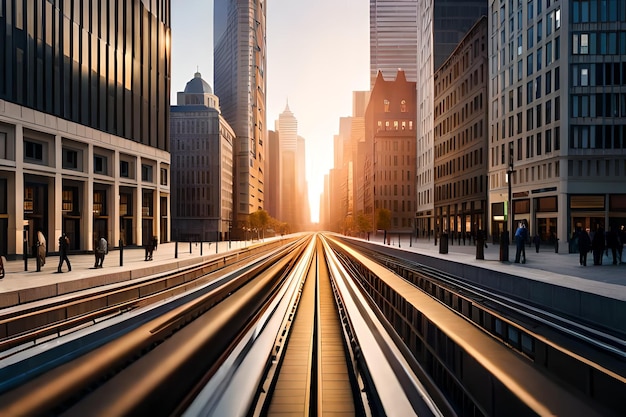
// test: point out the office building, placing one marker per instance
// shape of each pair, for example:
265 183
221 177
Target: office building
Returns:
389 181
240 83
202 165
556 124
442 24
84 123
393 38
460 138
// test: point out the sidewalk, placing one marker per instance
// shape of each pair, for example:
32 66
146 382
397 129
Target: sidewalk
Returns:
558 268
20 285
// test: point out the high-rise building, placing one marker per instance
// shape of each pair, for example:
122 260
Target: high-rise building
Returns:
442 24
460 137
202 165
393 38
389 182
84 122
288 174
240 83
556 122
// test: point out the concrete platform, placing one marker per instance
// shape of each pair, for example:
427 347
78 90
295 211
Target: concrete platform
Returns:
21 286
562 270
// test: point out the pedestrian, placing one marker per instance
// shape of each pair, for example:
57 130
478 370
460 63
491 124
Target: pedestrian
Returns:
64 243
520 240
101 249
598 245
41 248
584 245
537 242
612 243
151 247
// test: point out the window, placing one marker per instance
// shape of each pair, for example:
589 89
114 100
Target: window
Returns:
125 204
557 19
548 53
68 200
584 77
403 106
163 176
539 30
29 199
548 82
3 145
124 169
70 159
146 173
99 164
99 205
386 105
33 151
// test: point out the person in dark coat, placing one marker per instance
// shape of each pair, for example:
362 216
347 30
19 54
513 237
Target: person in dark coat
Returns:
520 240
597 246
612 242
537 242
622 241
64 243
101 249
151 247
584 245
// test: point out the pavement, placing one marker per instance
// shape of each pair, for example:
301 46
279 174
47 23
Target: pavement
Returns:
21 285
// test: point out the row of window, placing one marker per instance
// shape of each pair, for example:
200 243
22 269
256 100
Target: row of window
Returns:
72 159
387 106
533 91
598 137
459 189
395 125
459 140
460 164
535 118
599 43
453 120
590 11
598 105
598 74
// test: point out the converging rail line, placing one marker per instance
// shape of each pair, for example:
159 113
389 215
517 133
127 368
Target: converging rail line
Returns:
312 327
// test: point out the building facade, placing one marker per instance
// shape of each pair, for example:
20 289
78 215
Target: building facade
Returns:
557 92
460 137
393 38
84 113
202 166
390 121
240 83
442 25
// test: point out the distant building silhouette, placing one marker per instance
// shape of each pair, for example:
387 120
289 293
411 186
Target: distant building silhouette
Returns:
202 165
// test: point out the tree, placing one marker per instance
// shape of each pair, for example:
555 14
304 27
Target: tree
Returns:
363 223
383 221
259 221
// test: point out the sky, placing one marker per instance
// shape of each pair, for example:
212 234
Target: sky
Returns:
317 55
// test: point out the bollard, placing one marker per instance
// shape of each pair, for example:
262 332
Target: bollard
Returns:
216 246
399 244
411 240
443 243
121 253
176 250
201 245
37 258
189 245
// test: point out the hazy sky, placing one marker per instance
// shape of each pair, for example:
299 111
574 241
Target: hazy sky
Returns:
317 54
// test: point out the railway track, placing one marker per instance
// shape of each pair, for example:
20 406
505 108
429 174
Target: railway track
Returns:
312 328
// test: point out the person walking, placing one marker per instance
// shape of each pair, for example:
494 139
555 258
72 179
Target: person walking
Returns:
622 241
101 249
41 248
520 241
597 246
537 242
612 242
584 245
64 243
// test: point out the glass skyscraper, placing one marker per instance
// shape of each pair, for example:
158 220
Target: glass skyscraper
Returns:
84 114
240 84
393 38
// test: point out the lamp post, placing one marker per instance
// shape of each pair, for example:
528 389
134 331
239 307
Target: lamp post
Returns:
505 237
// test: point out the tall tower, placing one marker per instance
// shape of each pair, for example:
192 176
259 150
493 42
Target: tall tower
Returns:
288 139
442 25
393 38
240 83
